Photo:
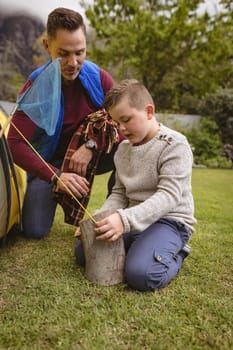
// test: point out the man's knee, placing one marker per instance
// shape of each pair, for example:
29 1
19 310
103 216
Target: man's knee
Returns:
38 224
34 232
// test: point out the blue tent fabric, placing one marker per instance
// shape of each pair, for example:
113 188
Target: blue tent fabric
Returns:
41 102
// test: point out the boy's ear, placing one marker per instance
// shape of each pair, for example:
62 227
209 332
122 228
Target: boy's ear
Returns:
150 110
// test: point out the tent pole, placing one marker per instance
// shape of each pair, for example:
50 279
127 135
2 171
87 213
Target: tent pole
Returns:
2 131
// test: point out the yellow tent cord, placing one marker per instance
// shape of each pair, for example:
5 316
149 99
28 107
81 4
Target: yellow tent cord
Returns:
53 172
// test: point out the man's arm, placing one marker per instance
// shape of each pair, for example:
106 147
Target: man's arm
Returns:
22 154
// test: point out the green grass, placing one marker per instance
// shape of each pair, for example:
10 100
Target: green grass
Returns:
46 303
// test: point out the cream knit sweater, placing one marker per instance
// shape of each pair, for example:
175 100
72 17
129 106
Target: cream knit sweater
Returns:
153 180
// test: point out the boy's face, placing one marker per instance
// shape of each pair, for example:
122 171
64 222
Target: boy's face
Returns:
138 126
70 46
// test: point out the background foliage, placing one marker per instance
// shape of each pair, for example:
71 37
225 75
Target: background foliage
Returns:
219 107
184 57
206 145
177 52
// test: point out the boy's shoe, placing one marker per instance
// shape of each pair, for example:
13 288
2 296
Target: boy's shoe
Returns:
185 251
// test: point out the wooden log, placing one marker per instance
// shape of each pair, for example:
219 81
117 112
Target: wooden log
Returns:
105 261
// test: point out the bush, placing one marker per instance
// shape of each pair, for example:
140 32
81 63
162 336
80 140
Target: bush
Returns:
218 162
207 146
219 107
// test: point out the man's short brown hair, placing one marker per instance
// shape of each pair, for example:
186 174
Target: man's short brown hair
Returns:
137 94
63 18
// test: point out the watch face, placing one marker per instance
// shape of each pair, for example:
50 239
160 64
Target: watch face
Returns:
90 144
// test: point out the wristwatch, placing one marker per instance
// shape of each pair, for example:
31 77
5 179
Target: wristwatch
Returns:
90 144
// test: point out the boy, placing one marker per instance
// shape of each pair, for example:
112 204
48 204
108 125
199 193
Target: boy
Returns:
152 193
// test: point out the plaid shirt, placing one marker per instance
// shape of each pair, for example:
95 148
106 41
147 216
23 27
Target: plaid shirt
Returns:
99 127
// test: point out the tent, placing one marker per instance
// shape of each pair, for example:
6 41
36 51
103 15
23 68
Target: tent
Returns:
12 183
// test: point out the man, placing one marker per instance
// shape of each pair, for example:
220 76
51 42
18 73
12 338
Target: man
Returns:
66 39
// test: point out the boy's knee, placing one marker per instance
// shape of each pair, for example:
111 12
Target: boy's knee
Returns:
134 279
145 278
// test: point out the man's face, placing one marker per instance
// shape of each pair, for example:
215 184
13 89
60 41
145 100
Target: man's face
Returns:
70 46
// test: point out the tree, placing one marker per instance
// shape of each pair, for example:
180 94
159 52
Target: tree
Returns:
175 51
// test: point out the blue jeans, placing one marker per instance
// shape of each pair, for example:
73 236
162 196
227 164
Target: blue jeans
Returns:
38 209
153 257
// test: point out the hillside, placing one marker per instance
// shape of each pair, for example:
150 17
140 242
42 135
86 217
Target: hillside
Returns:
17 36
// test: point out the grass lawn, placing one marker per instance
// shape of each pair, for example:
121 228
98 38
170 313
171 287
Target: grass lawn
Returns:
46 303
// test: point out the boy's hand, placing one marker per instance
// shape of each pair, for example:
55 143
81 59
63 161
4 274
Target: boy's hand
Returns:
110 228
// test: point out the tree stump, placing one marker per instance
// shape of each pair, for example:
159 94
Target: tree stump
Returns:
105 261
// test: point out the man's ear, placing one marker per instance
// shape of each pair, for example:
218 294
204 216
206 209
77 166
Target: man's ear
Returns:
46 45
150 110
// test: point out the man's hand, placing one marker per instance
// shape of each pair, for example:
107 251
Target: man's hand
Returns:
77 233
110 228
80 160
78 185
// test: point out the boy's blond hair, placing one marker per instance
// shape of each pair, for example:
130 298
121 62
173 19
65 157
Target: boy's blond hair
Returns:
137 93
